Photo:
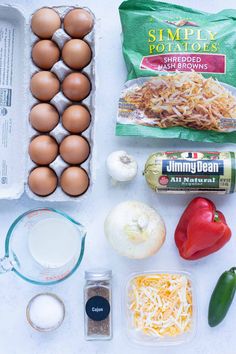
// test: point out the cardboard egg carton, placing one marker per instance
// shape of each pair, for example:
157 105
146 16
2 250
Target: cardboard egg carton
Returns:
16 102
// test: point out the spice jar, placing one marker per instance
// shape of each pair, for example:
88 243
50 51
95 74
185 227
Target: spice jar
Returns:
97 302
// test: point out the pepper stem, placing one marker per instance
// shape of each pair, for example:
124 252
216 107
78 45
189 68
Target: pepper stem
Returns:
233 269
216 217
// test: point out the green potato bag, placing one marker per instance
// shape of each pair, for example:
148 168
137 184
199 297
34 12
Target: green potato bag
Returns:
181 67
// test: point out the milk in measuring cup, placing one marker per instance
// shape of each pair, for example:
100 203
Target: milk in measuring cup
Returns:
53 242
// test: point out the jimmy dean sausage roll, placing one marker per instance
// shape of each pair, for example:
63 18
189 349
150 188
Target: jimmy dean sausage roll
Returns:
191 172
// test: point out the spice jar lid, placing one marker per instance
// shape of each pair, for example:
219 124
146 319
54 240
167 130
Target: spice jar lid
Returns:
98 274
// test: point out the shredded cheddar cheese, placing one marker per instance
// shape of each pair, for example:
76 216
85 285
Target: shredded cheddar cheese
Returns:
161 304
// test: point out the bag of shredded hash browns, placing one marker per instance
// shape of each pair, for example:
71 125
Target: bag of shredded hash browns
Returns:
181 72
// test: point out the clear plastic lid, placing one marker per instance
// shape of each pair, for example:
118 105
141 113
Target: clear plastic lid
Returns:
137 335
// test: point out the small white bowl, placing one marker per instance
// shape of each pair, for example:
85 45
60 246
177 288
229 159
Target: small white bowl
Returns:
48 329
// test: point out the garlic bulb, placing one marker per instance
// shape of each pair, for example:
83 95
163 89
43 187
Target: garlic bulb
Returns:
135 230
121 166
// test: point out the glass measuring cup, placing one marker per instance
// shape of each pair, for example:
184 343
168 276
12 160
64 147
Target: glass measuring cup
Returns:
19 258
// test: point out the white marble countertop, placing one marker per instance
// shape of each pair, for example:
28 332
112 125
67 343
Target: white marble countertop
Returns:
16 337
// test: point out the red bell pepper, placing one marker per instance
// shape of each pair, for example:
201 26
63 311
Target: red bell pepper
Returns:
201 230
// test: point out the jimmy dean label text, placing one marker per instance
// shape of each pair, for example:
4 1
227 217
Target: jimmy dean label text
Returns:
191 171
199 167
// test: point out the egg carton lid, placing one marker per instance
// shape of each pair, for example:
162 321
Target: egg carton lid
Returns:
13 103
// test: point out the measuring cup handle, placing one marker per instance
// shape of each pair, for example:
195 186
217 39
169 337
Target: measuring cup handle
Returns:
82 231
5 265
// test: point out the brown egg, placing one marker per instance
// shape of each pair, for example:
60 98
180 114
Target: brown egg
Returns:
76 54
43 149
78 23
45 22
74 181
74 149
44 85
76 86
42 181
76 119
44 117
45 54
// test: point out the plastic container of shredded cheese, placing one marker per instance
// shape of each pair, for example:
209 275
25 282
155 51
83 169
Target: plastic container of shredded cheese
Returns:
160 308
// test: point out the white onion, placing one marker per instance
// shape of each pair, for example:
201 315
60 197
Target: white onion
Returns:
135 230
121 166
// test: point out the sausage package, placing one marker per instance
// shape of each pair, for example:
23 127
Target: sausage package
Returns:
181 172
181 72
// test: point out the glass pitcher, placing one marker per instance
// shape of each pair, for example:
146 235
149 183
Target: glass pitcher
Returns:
19 258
